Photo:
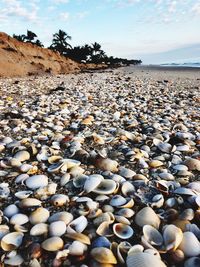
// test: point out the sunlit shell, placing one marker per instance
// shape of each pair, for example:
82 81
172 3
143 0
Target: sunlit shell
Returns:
78 225
15 260
103 255
11 241
23 194
57 228
80 237
92 182
52 244
155 163
19 219
77 248
147 216
104 229
126 212
22 155
128 189
40 215
122 231
193 164
59 200
190 245
39 229
172 236
29 203
64 216
36 181
106 187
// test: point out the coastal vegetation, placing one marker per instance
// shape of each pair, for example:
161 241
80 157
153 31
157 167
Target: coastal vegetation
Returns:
83 54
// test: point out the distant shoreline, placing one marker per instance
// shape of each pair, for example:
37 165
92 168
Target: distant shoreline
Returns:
170 67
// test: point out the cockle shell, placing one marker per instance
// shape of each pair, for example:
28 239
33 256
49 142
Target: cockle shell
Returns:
152 235
52 244
142 259
147 216
106 187
172 237
122 231
103 255
92 182
11 241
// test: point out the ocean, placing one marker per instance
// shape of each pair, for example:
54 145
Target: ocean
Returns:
189 64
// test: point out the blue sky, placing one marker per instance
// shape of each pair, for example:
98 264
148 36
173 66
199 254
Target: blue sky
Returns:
156 31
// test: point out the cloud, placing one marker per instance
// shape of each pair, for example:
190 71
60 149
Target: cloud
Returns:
60 1
64 16
196 9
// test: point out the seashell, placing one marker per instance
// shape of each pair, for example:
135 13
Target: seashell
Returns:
53 244
180 167
4 230
19 219
54 159
117 201
193 228
122 250
59 200
15 260
194 186
36 181
77 248
127 189
80 237
57 228
78 225
103 255
104 229
106 187
40 215
39 229
15 162
27 203
101 241
23 194
187 214
79 181
21 178
106 164
165 147
190 245
122 231
184 191
4 190
192 262
64 216
76 171
11 241
92 182
22 155
34 263
122 219
64 179
142 259
126 212
177 255
172 236
25 167
166 176
181 224
157 201
10 210
193 164
155 163
147 216
152 235
127 173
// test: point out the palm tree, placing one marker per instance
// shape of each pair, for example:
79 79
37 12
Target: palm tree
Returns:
30 36
20 38
39 43
59 42
96 48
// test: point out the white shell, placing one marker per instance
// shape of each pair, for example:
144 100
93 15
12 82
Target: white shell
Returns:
39 229
59 199
122 231
78 225
92 182
23 194
10 210
11 241
53 244
172 237
152 235
19 219
36 181
16 260
64 216
142 259
40 215
106 187
147 216
77 248
22 155
57 228
190 245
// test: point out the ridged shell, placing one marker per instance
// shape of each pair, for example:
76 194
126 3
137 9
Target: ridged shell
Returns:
142 259
147 216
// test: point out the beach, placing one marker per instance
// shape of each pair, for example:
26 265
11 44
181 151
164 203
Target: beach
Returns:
101 168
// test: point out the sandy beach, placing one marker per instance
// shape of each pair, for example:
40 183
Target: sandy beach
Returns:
101 168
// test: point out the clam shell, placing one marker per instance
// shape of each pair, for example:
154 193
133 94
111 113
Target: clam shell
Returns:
77 248
59 200
122 231
106 187
78 225
152 235
127 189
57 228
22 155
36 181
39 229
23 194
142 259
16 260
190 245
126 212
53 244
172 236
92 182
147 216
64 216
4 230
19 219
101 241
107 164
192 262
117 201
11 241
80 237
127 173
103 255
29 203
40 215
10 210
193 164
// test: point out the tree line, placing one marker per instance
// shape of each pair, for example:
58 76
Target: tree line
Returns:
83 54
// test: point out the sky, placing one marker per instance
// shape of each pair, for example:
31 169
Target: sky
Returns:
156 31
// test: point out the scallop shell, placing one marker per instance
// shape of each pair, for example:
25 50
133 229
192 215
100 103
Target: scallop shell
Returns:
106 187
147 216
103 255
40 215
122 231
12 241
36 181
57 228
190 245
52 244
